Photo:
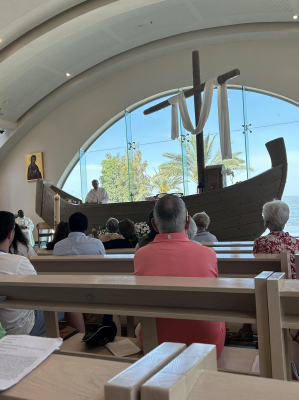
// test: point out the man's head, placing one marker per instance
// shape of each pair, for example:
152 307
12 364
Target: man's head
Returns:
21 213
95 184
170 215
33 159
78 222
7 226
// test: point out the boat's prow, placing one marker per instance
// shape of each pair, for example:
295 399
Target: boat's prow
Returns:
235 211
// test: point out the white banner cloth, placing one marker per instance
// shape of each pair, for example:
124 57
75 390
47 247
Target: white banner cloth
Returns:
223 115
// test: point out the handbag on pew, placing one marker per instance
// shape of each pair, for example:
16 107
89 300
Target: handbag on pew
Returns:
101 334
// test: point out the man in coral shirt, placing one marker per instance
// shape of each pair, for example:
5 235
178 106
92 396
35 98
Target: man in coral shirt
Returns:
173 254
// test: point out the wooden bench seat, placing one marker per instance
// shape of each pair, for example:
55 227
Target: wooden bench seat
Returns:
283 303
229 244
179 377
238 360
75 346
229 265
211 299
236 247
232 359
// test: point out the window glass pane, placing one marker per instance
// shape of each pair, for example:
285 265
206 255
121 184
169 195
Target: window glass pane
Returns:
152 133
272 118
212 140
73 183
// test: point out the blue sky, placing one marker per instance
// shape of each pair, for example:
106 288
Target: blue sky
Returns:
269 117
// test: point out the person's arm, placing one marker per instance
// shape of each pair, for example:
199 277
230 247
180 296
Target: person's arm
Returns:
31 252
30 225
105 198
101 248
88 198
25 267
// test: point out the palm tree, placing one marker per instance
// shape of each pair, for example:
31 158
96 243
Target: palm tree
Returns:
165 183
173 167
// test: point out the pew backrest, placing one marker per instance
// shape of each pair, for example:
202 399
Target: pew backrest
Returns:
229 265
211 299
283 304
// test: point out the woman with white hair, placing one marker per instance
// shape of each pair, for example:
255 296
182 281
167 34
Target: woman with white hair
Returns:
112 231
202 221
276 214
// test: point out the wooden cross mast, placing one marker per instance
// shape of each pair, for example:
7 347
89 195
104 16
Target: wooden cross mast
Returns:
196 92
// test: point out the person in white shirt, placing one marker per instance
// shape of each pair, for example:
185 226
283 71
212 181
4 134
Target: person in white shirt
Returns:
26 225
20 244
23 322
77 243
97 195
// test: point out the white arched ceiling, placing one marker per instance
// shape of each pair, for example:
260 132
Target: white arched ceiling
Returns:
96 42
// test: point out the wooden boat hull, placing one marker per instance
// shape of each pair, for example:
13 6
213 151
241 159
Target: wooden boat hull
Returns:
235 211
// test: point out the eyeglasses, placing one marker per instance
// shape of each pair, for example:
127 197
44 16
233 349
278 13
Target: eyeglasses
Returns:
178 194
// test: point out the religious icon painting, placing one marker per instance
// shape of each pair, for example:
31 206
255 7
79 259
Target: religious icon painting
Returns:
34 166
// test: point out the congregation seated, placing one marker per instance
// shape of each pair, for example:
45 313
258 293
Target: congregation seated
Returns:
191 232
150 236
202 221
61 232
171 253
23 322
112 231
77 243
276 214
128 231
20 244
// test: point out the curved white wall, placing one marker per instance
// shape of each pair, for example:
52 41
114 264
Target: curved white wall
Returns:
269 65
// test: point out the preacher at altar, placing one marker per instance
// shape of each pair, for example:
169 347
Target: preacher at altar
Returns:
97 195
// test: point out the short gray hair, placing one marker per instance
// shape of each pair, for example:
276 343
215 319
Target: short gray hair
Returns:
170 214
112 225
191 232
202 220
277 213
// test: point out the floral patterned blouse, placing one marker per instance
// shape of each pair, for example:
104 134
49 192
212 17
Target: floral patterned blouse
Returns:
278 241
110 236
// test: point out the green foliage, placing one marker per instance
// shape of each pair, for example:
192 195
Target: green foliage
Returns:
114 177
163 183
173 167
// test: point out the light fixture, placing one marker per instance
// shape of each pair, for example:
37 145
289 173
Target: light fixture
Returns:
0 40
295 16
5 102
68 74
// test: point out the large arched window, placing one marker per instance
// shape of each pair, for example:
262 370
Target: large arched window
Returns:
135 157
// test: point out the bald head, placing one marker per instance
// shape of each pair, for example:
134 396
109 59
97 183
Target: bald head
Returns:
95 184
170 215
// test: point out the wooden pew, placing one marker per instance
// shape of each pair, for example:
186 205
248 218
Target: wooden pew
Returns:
81 378
232 250
181 377
236 247
224 249
228 244
211 299
229 265
283 302
196 377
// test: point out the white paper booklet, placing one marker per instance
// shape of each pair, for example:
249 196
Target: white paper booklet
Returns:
123 348
256 365
21 354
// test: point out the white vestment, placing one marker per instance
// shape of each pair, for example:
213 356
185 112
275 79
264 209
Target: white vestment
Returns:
27 232
97 196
